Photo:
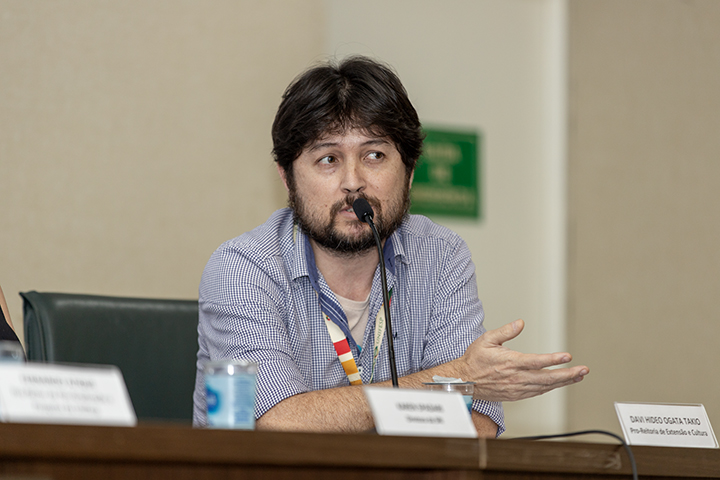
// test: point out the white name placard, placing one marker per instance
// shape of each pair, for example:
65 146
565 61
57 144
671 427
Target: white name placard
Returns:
44 393
419 413
666 425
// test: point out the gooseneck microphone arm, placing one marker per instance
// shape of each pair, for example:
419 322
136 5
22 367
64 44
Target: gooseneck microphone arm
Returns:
365 213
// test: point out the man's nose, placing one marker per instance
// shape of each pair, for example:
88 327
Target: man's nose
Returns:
353 178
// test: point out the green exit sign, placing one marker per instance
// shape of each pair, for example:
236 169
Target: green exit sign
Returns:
447 175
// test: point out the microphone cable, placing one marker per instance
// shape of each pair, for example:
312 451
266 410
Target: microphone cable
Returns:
628 450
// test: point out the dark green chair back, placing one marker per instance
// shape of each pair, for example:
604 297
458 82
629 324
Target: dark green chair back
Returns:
152 341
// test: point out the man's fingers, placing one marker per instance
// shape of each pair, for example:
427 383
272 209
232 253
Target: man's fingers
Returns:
529 383
555 377
537 361
507 332
535 390
562 375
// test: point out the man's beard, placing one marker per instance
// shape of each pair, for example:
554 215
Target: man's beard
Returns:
326 234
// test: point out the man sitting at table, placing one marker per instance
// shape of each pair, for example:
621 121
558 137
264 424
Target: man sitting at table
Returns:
284 294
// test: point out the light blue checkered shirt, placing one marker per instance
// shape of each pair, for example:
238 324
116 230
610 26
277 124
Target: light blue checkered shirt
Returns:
257 303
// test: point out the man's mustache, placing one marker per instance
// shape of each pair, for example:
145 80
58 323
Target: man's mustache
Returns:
347 203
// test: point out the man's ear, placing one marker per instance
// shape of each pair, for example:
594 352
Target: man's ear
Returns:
412 175
281 172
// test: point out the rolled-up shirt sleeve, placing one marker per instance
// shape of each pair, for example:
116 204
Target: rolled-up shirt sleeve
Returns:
241 312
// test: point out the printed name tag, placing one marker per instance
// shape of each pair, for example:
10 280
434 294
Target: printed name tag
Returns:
419 413
666 425
41 393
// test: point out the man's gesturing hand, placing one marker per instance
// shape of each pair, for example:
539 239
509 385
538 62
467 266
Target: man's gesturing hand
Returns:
501 374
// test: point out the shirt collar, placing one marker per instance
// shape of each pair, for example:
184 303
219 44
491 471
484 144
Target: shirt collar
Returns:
300 266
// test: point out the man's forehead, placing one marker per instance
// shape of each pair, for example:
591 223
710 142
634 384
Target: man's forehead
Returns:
350 137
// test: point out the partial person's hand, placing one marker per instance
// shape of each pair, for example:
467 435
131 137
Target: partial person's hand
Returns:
501 374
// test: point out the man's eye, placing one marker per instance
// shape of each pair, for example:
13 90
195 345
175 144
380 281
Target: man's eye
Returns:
376 155
327 160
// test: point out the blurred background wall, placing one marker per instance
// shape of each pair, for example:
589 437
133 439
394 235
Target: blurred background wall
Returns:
134 139
644 237
134 136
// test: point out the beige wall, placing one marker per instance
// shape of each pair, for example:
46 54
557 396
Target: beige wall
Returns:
644 177
134 137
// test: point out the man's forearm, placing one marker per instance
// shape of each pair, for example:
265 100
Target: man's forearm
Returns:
341 409
344 409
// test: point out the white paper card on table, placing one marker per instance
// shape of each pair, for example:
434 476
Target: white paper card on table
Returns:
666 425
419 413
62 394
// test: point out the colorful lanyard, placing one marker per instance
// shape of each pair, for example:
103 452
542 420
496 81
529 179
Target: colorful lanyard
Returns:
342 347
336 323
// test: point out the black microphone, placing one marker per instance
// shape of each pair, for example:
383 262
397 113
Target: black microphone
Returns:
365 213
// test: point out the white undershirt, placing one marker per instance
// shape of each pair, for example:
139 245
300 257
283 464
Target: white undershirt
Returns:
357 316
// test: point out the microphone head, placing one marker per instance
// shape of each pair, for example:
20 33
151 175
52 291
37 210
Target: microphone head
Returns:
362 209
